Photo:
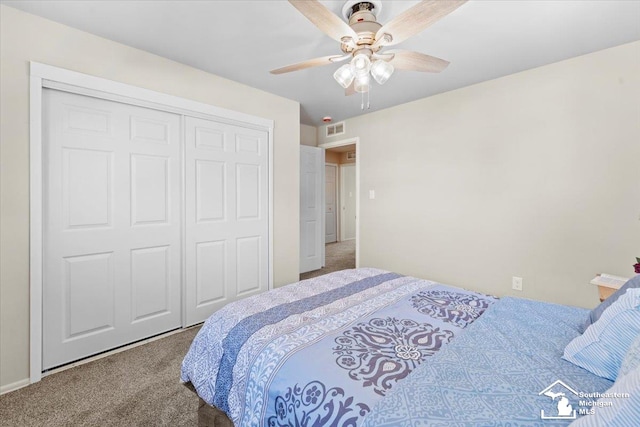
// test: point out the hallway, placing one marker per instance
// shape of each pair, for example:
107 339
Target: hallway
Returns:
338 256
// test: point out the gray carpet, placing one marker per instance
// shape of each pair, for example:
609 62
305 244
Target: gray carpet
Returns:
338 256
137 387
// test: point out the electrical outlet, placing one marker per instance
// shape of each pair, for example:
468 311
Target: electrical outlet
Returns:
516 283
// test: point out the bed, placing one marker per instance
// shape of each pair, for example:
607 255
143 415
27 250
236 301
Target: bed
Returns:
367 347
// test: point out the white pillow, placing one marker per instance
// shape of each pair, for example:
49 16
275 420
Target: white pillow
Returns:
631 359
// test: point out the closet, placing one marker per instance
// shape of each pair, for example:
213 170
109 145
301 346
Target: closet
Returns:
152 220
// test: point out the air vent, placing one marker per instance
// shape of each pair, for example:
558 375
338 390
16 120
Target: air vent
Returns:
335 129
351 155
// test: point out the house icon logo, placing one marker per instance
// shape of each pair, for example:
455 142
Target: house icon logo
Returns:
558 392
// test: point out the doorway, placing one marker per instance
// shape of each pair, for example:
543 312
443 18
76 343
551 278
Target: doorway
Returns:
347 202
341 215
330 202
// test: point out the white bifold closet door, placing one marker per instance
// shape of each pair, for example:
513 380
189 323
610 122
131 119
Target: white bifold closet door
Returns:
112 226
226 215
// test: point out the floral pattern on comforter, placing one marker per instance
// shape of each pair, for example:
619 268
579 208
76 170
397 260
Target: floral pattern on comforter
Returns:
497 373
324 351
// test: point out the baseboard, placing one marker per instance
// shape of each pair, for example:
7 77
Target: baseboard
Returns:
14 386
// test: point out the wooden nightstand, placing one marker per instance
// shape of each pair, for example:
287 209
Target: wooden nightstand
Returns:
607 284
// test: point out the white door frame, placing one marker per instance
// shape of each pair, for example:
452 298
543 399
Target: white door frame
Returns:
337 194
46 76
342 143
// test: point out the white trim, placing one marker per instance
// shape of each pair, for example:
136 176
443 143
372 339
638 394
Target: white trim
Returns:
14 386
61 75
47 76
323 204
35 228
183 219
342 143
270 233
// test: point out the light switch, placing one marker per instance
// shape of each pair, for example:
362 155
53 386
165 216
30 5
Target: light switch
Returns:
372 194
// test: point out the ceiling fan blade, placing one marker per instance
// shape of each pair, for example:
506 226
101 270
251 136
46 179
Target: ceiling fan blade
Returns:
415 61
414 20
316 62
351 90
324 19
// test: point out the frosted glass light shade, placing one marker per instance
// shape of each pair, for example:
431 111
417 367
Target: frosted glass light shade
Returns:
381 71
362 83
344 75
361 64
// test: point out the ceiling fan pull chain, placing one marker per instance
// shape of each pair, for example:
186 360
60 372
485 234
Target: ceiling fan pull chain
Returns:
368 103
362 100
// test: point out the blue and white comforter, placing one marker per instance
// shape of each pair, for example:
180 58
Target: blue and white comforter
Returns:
324 351
503 371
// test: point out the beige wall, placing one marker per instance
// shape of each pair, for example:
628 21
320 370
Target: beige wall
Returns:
26 38
308 135
533 175
331 157
337 157
344 158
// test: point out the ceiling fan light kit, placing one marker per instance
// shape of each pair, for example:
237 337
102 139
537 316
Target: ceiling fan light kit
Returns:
381 71
361 63
344 75
362 83
363 39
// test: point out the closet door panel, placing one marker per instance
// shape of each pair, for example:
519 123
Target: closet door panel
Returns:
112 245
226 241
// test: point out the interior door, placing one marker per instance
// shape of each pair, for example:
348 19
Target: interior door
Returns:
348 201
112 245
311 208
227 221
330 211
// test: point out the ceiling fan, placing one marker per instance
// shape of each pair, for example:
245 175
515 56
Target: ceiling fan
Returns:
363 40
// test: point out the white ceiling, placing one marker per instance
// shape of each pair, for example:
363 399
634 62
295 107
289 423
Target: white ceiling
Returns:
243 40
